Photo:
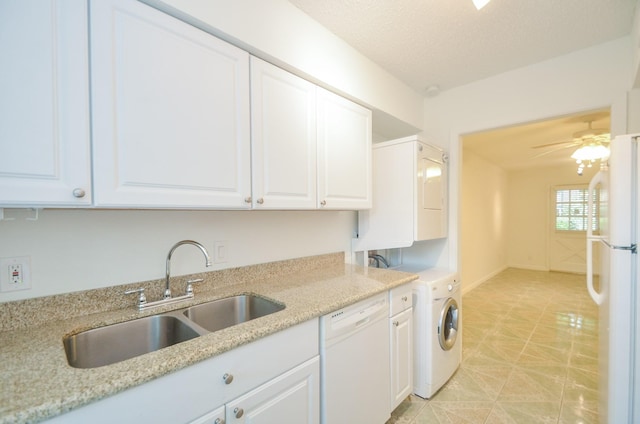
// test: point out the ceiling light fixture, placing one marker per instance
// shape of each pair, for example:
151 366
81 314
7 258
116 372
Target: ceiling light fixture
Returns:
588 153
479 4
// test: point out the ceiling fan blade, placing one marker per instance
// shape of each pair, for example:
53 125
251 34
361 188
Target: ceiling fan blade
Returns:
555 150
554 144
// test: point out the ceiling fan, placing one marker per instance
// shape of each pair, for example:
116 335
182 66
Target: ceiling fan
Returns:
580 138
592 144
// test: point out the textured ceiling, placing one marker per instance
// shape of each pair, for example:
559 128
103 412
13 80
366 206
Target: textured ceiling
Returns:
449 43
514 147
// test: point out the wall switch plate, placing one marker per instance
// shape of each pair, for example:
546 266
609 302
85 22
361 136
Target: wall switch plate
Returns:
15 273
220 252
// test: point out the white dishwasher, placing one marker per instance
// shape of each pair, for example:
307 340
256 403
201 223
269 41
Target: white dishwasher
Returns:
354 363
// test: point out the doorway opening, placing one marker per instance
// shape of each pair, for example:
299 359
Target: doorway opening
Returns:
509 177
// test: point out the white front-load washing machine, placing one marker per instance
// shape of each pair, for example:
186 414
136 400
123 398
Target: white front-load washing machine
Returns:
437 313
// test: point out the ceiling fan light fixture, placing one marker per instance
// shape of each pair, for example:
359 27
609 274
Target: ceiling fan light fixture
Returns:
479 4
589 153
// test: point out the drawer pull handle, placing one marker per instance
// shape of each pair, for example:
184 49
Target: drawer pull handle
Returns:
396 323
228 378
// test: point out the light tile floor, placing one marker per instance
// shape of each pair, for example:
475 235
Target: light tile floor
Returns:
530 346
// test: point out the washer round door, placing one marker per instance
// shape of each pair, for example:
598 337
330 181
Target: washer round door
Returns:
448 324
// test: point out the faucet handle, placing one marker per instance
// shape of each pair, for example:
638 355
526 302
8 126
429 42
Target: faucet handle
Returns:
142 299
190 287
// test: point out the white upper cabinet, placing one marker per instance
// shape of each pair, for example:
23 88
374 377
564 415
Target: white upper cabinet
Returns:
44 105
344 153
310 148
410 196
148 111
283 128
431 191
170 110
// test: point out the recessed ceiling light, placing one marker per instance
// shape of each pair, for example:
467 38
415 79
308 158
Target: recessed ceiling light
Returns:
479 4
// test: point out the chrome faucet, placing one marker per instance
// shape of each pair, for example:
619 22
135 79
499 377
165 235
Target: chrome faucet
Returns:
167 290
167 298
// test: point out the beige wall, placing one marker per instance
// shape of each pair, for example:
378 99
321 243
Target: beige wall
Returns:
483 220
529 213
505 217
589 79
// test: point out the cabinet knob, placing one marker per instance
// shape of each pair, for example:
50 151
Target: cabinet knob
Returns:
239 412
247 199
228 378
396 323
260 201
219 421
323 203
404 298
79 193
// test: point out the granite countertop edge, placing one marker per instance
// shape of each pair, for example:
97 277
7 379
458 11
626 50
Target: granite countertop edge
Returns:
39 384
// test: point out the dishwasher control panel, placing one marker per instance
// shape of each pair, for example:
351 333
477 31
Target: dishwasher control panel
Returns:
354 317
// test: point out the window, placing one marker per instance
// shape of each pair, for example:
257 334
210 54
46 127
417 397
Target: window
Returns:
571 208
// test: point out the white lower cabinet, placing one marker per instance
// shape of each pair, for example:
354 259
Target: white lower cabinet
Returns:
273 380
291 398
214 417
401 344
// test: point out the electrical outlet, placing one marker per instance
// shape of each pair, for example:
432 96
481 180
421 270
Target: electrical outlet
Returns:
15 273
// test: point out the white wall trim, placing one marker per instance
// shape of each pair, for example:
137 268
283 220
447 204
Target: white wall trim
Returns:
468 287
529 267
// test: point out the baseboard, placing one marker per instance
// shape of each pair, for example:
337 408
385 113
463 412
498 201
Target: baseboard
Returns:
468 287
529 267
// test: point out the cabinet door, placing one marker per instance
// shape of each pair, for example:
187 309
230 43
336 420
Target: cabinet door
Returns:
344 153
283 138
170 112
44 106
214 417
292 398
401 327
431 188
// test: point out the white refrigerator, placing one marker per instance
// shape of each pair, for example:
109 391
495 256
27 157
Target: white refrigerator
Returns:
616 293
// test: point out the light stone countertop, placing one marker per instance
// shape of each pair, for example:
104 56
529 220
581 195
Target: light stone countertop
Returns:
38 383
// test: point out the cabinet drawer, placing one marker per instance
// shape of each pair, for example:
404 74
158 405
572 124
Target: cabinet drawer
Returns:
400 299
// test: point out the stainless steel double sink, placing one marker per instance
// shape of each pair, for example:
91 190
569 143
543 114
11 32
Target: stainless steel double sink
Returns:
117 342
